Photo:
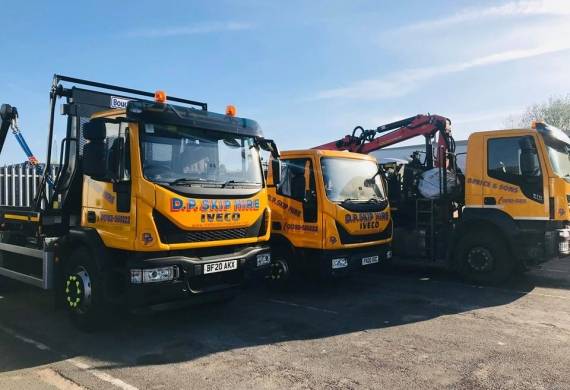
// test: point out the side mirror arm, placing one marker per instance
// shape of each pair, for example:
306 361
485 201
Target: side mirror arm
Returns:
270 146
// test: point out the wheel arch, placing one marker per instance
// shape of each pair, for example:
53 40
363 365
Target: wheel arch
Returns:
495 221
84 237
280 242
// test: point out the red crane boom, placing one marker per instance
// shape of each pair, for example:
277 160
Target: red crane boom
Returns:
366 141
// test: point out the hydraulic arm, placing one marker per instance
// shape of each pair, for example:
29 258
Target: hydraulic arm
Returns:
366 141
9 120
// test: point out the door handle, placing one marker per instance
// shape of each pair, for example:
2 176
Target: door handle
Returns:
91 217
489 201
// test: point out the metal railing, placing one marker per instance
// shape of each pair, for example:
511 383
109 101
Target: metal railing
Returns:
19 184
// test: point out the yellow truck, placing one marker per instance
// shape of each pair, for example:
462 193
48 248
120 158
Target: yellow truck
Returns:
153 203
516 202
330 213
507 210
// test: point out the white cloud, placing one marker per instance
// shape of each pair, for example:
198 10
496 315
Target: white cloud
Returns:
199 28
402 82
510 9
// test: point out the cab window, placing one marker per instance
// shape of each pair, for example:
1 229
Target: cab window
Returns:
293 182
512 158
117 151
515 160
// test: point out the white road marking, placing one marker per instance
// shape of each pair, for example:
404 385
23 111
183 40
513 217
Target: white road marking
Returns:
539 294
555 270
101 375
57 380
302 306
38 345
75 361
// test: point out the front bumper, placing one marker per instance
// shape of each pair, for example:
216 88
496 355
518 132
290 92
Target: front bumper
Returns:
559 242
190 283
537 247
330 263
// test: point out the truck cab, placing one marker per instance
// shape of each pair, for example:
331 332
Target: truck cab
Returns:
517 184
330 213
177 182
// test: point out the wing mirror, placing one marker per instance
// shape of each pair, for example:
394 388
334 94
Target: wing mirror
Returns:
529 164
276 171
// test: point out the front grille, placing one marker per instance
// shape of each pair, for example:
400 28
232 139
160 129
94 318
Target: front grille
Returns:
208 235
169 233
347 238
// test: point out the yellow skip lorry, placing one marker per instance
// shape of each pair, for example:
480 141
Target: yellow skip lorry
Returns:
330 213
153 203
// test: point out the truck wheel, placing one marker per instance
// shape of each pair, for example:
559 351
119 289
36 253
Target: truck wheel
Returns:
278 278
82 290
484 259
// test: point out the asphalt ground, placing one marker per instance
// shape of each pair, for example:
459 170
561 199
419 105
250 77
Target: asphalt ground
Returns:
406 327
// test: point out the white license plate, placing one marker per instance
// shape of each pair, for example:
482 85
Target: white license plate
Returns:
370 260
222 266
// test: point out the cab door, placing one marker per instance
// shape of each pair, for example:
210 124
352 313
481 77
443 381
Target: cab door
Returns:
515 177
107 202
296 204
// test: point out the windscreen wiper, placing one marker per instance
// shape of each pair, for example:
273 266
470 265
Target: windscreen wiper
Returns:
358 200
379 201
352 200
240 183
192 181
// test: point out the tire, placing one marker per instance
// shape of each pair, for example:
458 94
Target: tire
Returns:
82 290
483 258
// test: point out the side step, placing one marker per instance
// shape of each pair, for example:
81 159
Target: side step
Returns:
43 255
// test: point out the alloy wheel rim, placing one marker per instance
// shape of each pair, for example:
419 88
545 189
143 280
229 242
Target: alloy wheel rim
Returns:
480 259
78 290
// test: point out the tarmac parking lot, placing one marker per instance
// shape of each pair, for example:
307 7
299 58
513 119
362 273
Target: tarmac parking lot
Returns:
406 327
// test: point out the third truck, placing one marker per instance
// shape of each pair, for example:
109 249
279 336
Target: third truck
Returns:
506 211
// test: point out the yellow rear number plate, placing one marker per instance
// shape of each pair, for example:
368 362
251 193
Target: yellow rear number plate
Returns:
222 266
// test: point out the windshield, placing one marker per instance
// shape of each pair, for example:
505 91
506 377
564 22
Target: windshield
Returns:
348 179
559 156
186 156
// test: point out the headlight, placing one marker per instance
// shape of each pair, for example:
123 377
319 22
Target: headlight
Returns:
153 275
263 259
389 254
158 274
340 263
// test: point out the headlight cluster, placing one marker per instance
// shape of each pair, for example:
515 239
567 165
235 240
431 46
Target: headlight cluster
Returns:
153 275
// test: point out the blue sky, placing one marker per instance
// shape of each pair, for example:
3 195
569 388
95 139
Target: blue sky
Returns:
308 72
